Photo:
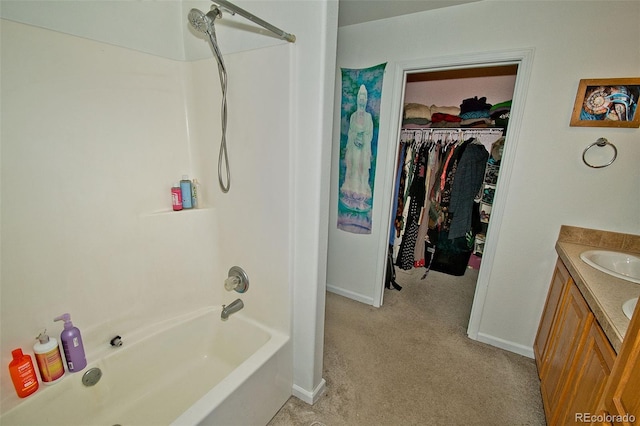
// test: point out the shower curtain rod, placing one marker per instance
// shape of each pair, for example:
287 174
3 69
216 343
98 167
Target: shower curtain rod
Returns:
233 9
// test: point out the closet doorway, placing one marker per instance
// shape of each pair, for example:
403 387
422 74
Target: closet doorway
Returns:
498 78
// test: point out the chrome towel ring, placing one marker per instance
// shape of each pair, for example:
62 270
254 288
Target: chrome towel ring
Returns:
601 142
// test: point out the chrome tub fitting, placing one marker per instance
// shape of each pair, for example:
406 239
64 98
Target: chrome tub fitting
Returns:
231 308
237 280
91 376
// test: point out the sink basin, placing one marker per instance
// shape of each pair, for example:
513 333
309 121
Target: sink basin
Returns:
619 265
629 306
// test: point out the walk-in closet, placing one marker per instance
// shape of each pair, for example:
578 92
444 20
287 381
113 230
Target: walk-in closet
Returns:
454 127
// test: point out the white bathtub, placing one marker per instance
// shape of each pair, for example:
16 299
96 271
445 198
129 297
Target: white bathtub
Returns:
196 369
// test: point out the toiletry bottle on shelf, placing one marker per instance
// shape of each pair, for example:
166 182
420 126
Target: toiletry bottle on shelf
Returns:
48 359
176 196
194 193
72 344
185 186
23 374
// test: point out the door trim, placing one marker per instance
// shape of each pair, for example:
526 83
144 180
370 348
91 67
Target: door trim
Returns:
524 59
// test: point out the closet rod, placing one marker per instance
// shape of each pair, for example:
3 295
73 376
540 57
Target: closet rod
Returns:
451 131
460 133
454 129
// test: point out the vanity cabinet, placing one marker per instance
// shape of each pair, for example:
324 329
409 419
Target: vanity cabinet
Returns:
620 402
573 355
590 373
558 282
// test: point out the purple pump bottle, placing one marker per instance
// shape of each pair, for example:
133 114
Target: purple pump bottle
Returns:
72 344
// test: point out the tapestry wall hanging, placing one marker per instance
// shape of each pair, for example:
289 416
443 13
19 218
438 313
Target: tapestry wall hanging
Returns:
359 123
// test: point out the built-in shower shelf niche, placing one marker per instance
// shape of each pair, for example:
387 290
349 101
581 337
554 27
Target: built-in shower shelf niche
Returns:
171 212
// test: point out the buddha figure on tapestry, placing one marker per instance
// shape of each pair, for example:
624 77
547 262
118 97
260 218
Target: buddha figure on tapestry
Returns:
355 192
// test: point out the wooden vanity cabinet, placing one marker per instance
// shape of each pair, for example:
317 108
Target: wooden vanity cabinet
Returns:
565 341
573 355
591 370
620 402
558 282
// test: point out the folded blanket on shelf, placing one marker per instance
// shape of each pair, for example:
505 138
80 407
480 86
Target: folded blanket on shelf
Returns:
445 117
451 110
415 110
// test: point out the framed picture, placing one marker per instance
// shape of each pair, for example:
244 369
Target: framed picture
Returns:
608 102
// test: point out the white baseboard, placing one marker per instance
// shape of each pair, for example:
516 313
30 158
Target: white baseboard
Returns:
506 345
350 294
309 397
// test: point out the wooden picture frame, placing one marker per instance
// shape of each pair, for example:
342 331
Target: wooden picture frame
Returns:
611 102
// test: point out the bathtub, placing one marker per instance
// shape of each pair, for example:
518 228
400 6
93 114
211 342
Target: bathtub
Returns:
195 369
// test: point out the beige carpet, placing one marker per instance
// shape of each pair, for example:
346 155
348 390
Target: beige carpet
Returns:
410 362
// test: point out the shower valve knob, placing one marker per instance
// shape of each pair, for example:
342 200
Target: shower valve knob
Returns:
237 280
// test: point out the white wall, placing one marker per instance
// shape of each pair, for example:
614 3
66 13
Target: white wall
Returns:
550 185
159 28
153 28
452 92
315 24
252 230
93 136
94 133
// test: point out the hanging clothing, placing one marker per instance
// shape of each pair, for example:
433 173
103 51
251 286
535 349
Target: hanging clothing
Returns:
435 216
466 185
419 253
417 193
398 205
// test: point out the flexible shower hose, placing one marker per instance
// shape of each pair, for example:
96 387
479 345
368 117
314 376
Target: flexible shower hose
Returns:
223 143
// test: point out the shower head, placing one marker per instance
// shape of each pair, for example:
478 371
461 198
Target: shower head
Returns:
199 21
204 22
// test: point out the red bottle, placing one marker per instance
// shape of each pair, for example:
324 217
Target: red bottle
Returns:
23 374
176 196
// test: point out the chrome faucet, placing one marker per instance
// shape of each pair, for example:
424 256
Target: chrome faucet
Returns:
231 308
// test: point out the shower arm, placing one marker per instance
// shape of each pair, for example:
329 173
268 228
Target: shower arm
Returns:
233 9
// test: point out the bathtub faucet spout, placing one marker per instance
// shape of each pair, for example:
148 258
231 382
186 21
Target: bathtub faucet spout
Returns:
231 308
